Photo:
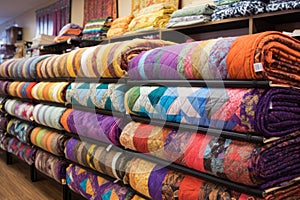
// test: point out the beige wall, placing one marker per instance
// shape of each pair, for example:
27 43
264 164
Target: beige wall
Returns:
77 12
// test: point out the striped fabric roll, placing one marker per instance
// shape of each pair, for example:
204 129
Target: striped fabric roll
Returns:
92 186
103 128
48 115
48 140
25 68
21 150
20 130
55 91
100 95
52 166
19 109
110 162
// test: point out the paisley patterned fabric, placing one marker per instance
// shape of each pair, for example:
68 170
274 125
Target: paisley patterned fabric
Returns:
253 111
92 186
100 95
52 166
21 150
277 5
224 58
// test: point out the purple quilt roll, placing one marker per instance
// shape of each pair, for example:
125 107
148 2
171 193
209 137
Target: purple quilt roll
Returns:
3 87
4 121
278 112
96 126
50 165
92 186
21 150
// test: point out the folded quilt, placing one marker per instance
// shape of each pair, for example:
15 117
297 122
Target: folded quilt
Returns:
96 157
158 182
51 166
272 112
205 9
100 95
103 128
156 8
239 9
48 140
112 59
188 20
268 55
262 165
20 130
21 150
276 5
69 31
224 2
92 186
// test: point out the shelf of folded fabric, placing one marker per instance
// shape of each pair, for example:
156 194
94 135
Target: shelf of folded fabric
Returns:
182 169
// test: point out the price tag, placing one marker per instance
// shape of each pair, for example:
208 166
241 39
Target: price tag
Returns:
258 67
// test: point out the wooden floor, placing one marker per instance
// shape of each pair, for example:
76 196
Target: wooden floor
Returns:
15 183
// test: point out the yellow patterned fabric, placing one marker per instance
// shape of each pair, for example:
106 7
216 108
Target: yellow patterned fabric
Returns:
137 5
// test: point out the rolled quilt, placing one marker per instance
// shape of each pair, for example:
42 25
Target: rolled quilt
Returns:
268 55
157 182
92 186
272 112
48 140
20 129
4 140
21 150
241 162
112 59
48 115
50 91
100 95
19 109
52 166
4 87
4 119
103 128
112 163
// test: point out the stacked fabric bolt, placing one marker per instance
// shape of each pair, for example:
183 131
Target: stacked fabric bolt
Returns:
92 186
48 140
239 9
119 26
109 162
267 55
271 112
96 29
157 182
48 115
277 5
50 91
51 166
103 128
21 150
42 39
100 95
19 109
20 89
24 68
69 31
4 87
191 15
20 130
243 162
4 140
155 16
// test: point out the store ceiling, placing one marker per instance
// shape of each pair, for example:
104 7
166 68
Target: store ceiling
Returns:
10 9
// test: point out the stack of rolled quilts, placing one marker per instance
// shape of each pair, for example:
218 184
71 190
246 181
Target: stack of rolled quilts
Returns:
21 150
153 17
119 26
192 14
19 109
20 130
96 29
69 31
50 91
238 8
277 5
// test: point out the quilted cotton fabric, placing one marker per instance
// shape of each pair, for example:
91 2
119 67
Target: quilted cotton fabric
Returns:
21 150
95 187
100 95
20 130
19 109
